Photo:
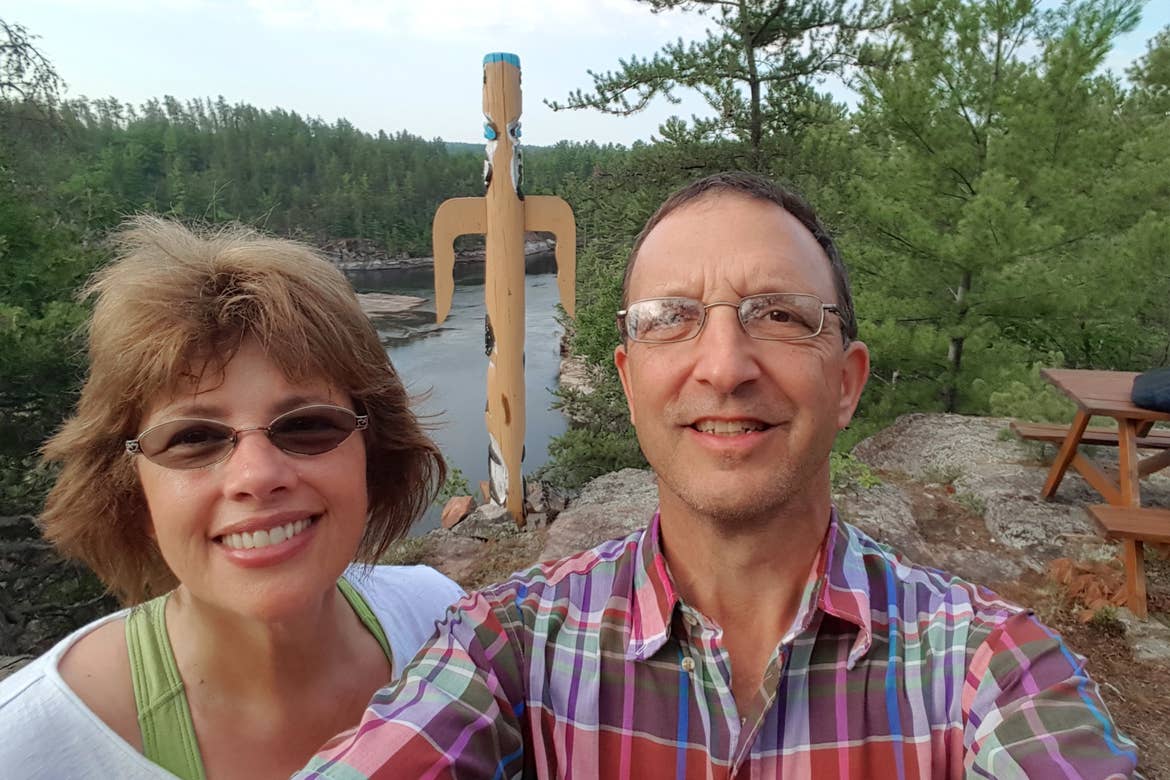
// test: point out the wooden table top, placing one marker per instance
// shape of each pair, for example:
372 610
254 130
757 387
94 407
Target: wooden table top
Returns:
1105 393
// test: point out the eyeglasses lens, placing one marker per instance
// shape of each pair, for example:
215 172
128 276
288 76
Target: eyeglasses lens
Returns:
311 432
187 444
787 317
664 319
771 316
192 444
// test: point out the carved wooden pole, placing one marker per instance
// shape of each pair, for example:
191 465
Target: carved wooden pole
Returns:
503 215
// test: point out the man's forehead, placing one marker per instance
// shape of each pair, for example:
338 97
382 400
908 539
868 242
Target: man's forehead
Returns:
719 230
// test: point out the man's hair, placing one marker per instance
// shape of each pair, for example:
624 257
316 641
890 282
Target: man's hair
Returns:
174 308
750 185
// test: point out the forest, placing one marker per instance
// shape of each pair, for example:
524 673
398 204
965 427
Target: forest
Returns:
1002 200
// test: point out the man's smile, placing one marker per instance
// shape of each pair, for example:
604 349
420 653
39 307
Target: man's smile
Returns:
726 427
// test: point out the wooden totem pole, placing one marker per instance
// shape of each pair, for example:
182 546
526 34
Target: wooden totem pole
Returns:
503 215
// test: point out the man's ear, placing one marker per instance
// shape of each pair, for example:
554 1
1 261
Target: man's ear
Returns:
854 373
621 359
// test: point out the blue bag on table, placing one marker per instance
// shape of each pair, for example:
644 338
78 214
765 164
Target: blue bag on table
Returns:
1151 390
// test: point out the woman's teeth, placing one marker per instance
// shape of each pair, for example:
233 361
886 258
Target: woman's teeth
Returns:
251 540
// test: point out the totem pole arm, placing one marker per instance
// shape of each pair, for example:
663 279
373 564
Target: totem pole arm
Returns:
552 215
455 217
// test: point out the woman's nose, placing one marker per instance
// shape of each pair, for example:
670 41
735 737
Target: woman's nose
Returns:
257 467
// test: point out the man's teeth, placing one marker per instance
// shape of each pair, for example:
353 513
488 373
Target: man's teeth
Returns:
728 427
251 540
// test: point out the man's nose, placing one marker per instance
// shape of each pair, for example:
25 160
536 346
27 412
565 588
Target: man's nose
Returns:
257 467
727 356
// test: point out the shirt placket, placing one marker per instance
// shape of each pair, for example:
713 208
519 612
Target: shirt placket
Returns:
703 658
753 721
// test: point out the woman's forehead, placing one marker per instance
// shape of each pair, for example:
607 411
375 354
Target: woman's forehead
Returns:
196 383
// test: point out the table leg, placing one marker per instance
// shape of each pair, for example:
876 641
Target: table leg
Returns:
1131 495
1068 449
1135 576
1128 477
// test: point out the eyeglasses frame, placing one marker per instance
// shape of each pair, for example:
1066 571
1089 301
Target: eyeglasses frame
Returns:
361 423
825 307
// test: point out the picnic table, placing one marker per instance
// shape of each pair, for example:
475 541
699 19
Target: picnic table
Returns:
1107 394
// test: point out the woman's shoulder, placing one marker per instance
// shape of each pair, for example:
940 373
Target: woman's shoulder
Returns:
61 703
97 669
407 600
409 588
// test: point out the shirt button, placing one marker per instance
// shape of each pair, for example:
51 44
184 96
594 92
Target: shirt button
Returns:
690 620
688 665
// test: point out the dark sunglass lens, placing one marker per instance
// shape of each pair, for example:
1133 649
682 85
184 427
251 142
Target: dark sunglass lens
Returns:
312 431
186 444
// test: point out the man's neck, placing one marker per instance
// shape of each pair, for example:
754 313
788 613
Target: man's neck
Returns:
749 580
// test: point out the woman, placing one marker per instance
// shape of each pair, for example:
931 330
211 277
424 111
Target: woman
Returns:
241 438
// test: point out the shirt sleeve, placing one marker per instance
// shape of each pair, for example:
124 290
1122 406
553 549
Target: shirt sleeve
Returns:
1031 710
457 711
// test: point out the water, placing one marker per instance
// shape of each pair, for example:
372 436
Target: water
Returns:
447 364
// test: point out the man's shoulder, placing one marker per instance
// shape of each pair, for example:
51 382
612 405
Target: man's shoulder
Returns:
903 591
608 565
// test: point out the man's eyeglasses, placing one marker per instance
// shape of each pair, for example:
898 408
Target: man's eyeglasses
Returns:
769 316
195 443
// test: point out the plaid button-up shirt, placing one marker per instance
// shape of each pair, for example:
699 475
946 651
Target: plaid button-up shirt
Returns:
593 666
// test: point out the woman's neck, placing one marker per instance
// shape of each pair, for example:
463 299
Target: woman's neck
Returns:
266 662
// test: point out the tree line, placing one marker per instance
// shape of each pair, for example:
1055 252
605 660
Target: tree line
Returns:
1002 201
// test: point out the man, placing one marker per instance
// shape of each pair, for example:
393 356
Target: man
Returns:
747 632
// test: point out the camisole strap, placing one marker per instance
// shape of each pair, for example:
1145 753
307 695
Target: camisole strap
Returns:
168 733
369 620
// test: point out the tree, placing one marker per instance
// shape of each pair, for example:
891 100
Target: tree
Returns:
25 73
755 69
983 221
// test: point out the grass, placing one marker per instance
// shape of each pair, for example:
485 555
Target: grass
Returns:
972 503
847 470
940 475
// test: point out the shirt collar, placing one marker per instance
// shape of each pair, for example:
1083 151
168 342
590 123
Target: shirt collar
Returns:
838 585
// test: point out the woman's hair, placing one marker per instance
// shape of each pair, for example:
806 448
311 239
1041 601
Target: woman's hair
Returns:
176 304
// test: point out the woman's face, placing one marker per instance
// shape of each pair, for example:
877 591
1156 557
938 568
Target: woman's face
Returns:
263 532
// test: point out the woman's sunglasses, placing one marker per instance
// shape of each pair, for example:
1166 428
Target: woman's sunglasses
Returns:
194 443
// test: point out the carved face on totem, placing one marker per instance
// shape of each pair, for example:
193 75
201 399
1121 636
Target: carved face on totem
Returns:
501 111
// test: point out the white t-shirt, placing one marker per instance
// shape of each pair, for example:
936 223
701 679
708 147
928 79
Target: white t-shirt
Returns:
46 731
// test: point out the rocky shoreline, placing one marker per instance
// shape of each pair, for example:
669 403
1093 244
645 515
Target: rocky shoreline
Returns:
363 254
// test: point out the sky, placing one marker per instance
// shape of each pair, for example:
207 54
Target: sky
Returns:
392 65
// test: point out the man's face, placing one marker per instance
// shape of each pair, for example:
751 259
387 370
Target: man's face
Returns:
738 429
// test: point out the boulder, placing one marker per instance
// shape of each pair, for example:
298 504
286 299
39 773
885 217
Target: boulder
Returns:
610 506
487 523
456 508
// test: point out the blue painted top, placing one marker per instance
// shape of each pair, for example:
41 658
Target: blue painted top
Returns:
501 56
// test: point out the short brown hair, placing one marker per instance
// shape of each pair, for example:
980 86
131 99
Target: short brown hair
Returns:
755 187
178 299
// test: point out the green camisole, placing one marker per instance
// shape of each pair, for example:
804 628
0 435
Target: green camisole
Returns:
164 717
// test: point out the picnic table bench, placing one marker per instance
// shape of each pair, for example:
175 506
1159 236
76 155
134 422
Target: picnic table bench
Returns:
1107 394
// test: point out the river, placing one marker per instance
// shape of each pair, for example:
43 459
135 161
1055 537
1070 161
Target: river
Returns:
446 366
